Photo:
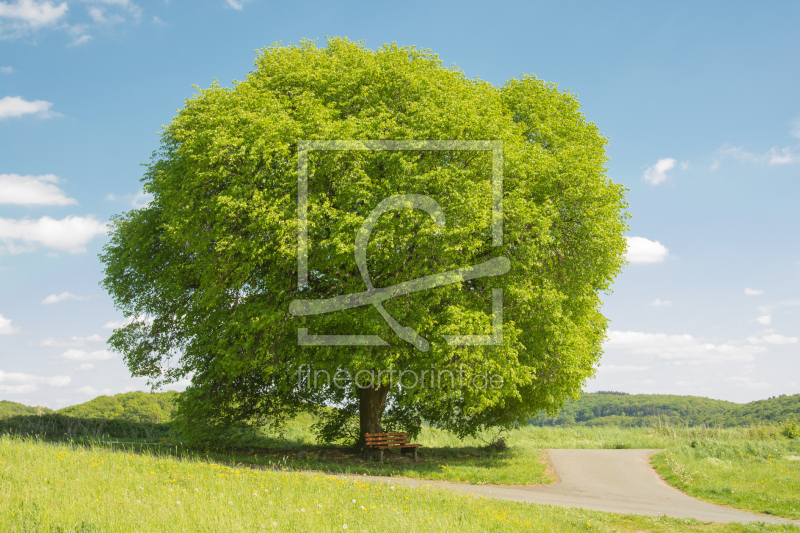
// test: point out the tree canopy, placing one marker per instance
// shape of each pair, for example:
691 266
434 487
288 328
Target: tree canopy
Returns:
8 408
134 406
208 269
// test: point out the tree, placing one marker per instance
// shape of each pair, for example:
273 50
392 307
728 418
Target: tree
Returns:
208 270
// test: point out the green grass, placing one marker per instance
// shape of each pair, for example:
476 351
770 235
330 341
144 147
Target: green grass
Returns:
761 476
748 468
464 464
58 488
445 457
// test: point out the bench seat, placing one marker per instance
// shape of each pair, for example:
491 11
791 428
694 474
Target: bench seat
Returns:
385 441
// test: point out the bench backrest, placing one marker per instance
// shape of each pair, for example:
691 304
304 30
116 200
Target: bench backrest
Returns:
386 439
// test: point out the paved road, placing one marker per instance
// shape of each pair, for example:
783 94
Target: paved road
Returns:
617 481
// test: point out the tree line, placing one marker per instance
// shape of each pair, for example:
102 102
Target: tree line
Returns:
599 408
615 408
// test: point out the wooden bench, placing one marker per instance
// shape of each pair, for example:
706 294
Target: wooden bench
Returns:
384 441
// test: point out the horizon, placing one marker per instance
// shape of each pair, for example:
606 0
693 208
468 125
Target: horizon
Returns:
699 102
777 396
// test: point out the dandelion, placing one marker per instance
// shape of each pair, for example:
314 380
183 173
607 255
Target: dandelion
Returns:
344 526
230 503
178 503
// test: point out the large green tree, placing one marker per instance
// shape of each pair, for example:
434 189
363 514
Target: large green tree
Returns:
208 270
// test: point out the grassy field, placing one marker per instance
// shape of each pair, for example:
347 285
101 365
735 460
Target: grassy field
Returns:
724 457
61 488
762 476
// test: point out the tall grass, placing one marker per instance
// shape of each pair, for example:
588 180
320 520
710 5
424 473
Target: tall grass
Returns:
55 426
658 435
56 488
761 475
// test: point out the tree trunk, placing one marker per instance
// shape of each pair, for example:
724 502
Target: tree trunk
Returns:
371 402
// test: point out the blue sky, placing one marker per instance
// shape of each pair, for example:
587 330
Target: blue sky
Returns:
701 102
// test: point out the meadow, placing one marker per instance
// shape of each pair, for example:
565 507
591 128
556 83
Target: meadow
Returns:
752 468
62 487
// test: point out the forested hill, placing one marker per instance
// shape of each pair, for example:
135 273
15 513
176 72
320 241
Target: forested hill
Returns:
132 406
13 408
619 408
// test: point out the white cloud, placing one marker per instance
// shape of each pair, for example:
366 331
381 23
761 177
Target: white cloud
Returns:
773 338
782 157
158 21
25 388
641 250
110 197
737 379
745 382
5 326
753 292
179 385
141 199
25 15
127 5
661 303
87 366
679 347
773 156
91 391
55 298
623 368
16 383
83 355
116 324
71 342
32 190
98 15
79 40
15 106
764 320
7 70
236 4
70 234
658 173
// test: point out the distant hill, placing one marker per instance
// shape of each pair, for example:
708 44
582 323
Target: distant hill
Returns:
13 408
597 408
615 408
132 406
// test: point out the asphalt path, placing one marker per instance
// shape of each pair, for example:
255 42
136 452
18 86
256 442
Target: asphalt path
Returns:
616 481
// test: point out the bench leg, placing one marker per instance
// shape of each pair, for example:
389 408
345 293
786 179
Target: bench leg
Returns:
415 455
380 454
